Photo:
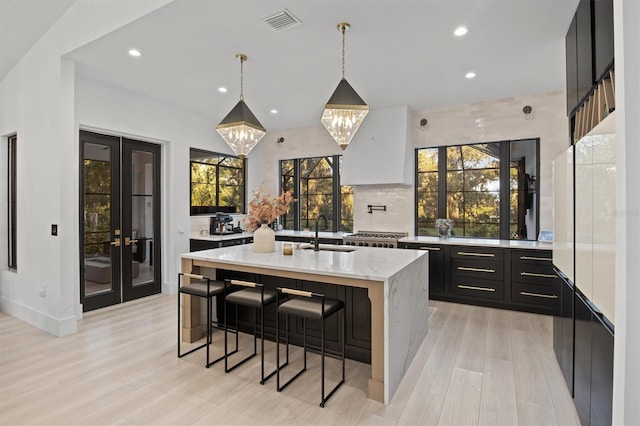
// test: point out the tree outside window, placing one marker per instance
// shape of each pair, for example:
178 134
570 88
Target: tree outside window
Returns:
315 182
217 183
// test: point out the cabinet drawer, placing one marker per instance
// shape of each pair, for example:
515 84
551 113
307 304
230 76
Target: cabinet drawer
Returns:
485 253
476 288
536 295
533 274
482 269
538 257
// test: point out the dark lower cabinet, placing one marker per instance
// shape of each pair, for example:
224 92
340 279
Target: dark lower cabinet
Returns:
593 385
582 383
601 373
197 245
563 332
357 313
438 268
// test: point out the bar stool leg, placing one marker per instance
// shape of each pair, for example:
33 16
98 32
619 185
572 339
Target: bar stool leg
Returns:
304 341
322 362
262 346
209 329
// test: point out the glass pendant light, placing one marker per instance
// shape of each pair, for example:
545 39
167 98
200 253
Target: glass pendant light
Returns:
240 128
345 110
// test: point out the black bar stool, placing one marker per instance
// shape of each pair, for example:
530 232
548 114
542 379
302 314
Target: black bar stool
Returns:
254 296
315 306
205 288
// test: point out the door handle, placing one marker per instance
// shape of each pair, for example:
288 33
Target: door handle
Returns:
116 242
128 241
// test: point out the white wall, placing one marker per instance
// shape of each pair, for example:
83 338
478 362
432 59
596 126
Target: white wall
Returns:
38 104
111 110
626 373
500 120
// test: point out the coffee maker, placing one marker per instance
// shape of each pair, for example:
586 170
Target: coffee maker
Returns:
220 223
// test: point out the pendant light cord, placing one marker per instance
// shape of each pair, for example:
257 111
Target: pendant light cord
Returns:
242 79
343 29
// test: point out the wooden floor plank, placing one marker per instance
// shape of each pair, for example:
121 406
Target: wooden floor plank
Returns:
121 368
498 401
462 403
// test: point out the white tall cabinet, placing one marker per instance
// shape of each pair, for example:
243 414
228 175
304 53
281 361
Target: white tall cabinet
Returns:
595 216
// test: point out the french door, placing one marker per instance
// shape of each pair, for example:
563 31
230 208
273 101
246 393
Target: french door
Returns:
119 220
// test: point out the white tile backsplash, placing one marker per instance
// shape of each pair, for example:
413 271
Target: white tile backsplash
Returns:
488 121
397 218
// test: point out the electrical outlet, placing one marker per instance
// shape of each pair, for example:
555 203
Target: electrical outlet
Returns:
43 292
54 229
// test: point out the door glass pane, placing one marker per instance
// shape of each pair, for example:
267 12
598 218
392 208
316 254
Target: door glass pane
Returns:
97 219
142 217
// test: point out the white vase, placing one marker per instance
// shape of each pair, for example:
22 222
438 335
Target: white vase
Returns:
264 239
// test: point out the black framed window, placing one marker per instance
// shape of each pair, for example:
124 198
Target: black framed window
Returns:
473 189
12 191
485 188
315 183
427 183
217 182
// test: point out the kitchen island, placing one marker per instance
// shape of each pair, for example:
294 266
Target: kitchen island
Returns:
397 287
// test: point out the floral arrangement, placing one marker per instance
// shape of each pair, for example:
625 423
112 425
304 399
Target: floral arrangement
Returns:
444 227
264 209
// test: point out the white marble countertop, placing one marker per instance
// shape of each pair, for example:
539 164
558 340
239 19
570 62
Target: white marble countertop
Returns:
284 233
376 264
479 242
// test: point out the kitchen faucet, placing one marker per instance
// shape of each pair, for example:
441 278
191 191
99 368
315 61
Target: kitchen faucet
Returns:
316 243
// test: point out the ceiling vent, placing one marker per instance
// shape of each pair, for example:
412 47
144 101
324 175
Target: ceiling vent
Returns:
281 20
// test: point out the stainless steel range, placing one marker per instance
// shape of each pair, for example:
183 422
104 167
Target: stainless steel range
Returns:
373 239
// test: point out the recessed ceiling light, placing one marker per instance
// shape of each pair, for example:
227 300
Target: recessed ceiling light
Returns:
274 111
470 75
460 31
135 53
222 89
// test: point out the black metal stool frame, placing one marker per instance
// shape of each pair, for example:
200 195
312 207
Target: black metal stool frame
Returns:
210 321
227 369
301 293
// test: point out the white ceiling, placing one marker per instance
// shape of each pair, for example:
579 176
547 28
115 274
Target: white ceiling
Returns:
22 23
398 52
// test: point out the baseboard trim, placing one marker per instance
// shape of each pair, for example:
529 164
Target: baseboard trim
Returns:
56 326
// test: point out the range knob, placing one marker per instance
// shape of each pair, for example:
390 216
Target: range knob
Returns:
366 244
385 245
360 243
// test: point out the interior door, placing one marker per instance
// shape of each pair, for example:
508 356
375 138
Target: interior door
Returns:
119 220
140 219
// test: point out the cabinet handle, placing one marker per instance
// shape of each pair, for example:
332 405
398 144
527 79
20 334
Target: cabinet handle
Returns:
430 248
546 296
464 268
532 274
471 287
535 258
466 253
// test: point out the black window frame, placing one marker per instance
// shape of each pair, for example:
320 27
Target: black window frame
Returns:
505 186
292 181
198 210
12 237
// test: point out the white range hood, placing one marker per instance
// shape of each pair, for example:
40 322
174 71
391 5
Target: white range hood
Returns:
381 152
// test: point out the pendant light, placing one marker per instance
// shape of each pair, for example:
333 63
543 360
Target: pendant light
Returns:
345 110
240 128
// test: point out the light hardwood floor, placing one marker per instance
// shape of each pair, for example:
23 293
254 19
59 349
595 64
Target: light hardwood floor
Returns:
476 366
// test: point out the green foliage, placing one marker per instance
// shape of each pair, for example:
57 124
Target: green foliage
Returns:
218 181
473 185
